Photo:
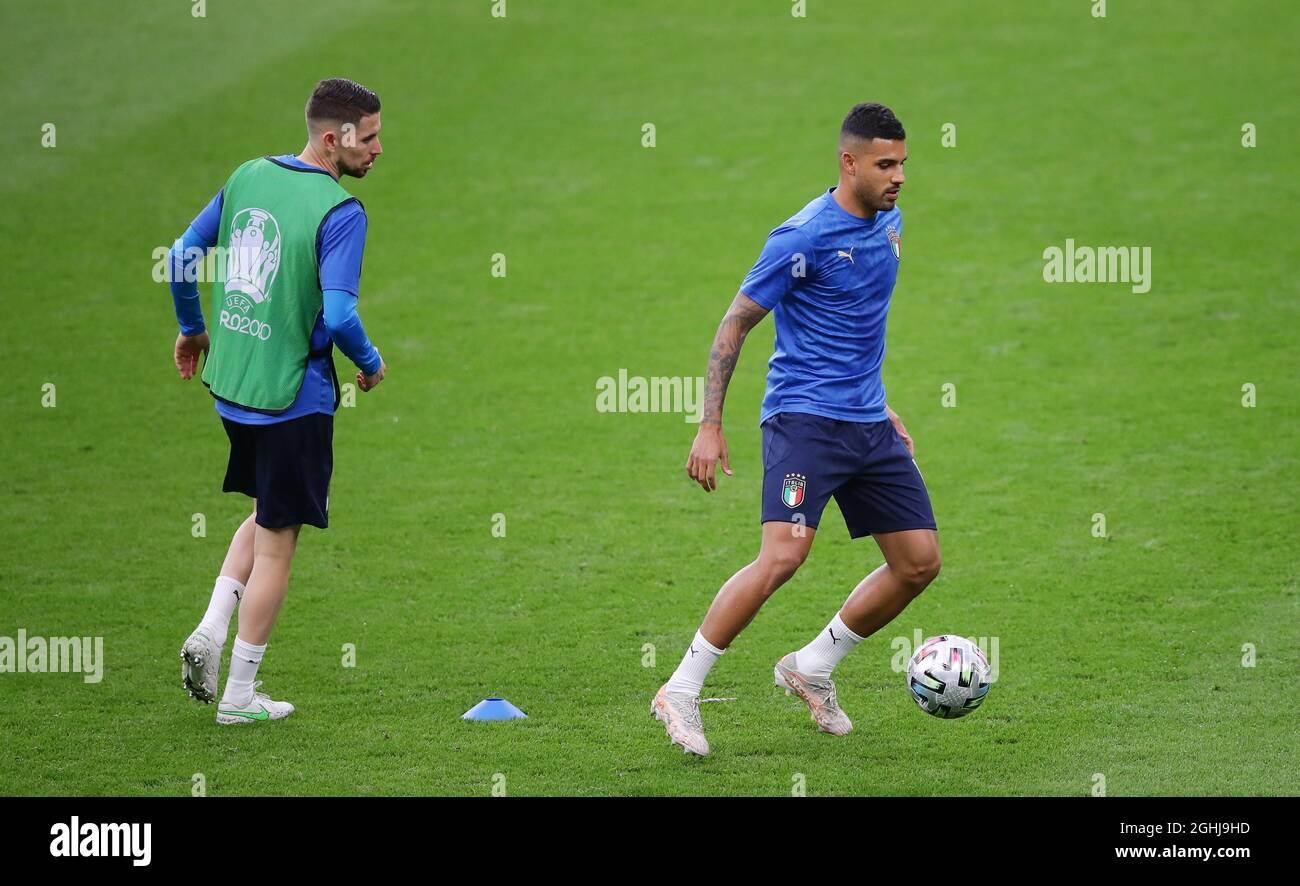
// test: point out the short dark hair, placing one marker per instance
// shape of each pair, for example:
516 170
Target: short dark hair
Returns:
870 120
341 100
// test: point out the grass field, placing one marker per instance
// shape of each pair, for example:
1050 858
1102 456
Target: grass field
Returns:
522 136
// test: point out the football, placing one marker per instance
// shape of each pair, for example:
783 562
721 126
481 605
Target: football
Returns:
948 676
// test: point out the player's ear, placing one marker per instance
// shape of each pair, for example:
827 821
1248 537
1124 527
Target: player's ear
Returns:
330 139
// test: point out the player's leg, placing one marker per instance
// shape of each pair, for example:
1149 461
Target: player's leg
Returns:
238 564
889 501
802 469
273 551
232 581
894 506
783 550
272 559
201 652
912 561
800 472
785 546
293 471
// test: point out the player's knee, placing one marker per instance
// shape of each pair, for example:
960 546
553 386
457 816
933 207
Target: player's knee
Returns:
916 574
779 566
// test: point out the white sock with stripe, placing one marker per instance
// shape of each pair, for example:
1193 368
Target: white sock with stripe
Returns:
696 664
820 657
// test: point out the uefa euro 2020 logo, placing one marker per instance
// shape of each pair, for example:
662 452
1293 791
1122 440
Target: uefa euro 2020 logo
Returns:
252 260
253 257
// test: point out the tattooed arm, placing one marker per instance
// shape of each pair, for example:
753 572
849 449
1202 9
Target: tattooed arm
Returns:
710 446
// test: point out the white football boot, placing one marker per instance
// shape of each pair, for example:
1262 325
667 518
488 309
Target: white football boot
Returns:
819 695
260 710
680 714
201 665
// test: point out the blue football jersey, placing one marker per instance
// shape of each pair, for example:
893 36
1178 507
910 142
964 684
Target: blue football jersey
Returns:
827 276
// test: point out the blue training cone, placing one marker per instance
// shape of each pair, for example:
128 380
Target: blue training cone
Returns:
493 709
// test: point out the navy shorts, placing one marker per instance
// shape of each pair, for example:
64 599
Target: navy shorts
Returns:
864 465
286 466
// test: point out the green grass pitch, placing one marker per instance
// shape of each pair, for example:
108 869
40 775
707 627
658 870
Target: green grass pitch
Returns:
1120 656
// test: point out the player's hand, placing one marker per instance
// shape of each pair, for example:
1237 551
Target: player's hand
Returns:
902 431
366 382
187 353
709 447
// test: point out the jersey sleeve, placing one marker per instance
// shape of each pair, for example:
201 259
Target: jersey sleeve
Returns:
346 331
205 224
187 252
338 252
342 241
786 259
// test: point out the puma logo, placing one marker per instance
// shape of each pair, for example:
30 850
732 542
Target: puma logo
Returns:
848 255
834 639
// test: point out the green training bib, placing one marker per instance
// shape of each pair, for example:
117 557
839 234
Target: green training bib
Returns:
266 301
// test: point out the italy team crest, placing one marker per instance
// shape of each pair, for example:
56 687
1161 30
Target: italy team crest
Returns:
793 489
895 242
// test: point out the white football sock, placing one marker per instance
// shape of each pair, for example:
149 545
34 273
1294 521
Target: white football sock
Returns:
820 657
695 666
226 595
244 659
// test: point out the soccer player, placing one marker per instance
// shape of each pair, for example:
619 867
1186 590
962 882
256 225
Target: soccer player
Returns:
827 274
290 242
